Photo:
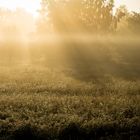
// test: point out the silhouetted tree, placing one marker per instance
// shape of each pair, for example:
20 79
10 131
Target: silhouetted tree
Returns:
134 23
127 22
121 12
76 15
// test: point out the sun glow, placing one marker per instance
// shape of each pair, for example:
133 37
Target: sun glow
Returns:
132 5
33 5
30 6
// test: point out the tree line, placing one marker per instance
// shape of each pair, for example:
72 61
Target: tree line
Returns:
95 16
71 16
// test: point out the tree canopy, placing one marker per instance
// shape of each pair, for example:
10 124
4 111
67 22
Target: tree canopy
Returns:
77 15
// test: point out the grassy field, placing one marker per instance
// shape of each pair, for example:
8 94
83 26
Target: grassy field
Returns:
90 91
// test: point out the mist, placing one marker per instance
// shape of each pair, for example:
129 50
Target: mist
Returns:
72 73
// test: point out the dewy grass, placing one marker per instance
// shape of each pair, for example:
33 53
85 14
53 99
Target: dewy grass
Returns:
62 107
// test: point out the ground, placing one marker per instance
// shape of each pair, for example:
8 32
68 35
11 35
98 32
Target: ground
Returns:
95 95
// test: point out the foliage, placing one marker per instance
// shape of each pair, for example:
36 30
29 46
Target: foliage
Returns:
42 105
127 23
76 16
134 22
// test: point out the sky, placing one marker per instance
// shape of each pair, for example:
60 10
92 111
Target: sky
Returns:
29 5
32 5
132 5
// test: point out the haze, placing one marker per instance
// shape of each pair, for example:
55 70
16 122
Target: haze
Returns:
33 5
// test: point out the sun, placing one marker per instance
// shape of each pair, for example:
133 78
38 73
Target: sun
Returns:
29 5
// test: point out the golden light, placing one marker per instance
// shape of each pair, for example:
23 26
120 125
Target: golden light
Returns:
33 5
29 5
132 5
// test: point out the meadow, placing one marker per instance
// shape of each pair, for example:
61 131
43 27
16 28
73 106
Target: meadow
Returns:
72 88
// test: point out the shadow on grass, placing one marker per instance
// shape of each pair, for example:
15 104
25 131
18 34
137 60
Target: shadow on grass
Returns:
75 132
28 132
97 60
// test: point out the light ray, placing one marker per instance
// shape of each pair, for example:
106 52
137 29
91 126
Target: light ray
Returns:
29 5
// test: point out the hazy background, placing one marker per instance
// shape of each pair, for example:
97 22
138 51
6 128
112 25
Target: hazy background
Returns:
85 41
69 70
